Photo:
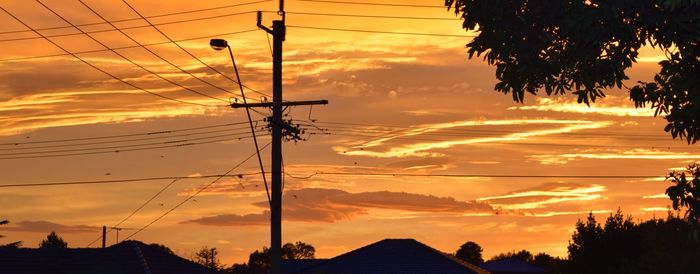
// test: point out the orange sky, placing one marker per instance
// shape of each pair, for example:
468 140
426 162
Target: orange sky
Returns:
398 104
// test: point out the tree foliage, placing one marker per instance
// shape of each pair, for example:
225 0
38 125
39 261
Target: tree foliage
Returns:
522 255
207 257
53 241
259 261
685 194
585 46
621 246
470 252
9 245
162 248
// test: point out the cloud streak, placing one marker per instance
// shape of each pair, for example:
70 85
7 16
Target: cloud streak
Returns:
426 149
46 227
333 205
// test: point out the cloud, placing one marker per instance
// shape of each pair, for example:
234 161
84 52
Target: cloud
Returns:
427 149
612 106
46 227
545 195
642 154
332 205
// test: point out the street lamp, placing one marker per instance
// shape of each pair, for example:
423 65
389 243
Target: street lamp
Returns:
218 44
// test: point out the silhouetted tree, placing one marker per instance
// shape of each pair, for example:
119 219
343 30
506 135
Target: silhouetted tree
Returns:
162 247
685 194
10 245
553 265
259 261
207 257
585 46
53 241
470 252
621 246
522 255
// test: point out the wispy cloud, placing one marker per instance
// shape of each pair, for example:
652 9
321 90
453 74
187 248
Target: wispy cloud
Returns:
656 196
544 195
426 149
609 106
644 154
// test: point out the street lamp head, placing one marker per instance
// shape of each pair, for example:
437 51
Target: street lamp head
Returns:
218 44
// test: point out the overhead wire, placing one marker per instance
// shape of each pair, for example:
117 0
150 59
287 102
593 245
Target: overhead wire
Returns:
152 52
129 60
104 71
317 173
156 137
381 32
149 133
122 181
187 51
135 211
124 28
195 194
121 147
127 47
150 17
177 145
373 4
372 16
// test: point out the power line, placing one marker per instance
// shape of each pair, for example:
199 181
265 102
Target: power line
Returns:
374 16
321 173
382 32
149 133
373 4
126 47
153 16
222 139
124 28
196 193
157 137
186 51
455 175
122 181
121 147
151 51
126 58
135 211
104 71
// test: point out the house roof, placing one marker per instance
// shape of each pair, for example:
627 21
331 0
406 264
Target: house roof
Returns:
394 256
128 257
511 266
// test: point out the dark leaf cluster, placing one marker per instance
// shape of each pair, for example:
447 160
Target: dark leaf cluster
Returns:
585 46
622 246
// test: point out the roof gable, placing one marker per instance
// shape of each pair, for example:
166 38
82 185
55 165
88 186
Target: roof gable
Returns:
393 256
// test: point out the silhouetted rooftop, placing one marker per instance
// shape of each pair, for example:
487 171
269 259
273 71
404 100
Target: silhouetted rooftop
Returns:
394 256
127 257
511 266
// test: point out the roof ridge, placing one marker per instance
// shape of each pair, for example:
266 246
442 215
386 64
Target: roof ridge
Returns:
141 258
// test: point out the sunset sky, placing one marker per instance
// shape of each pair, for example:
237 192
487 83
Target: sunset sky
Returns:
400 103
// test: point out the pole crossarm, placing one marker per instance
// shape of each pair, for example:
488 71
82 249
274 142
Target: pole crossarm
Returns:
283 104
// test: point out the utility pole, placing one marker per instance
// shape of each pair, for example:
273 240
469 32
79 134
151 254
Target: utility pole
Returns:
280 128
104 236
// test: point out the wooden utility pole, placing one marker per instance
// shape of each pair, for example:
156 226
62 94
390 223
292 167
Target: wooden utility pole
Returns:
104 236
280 128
